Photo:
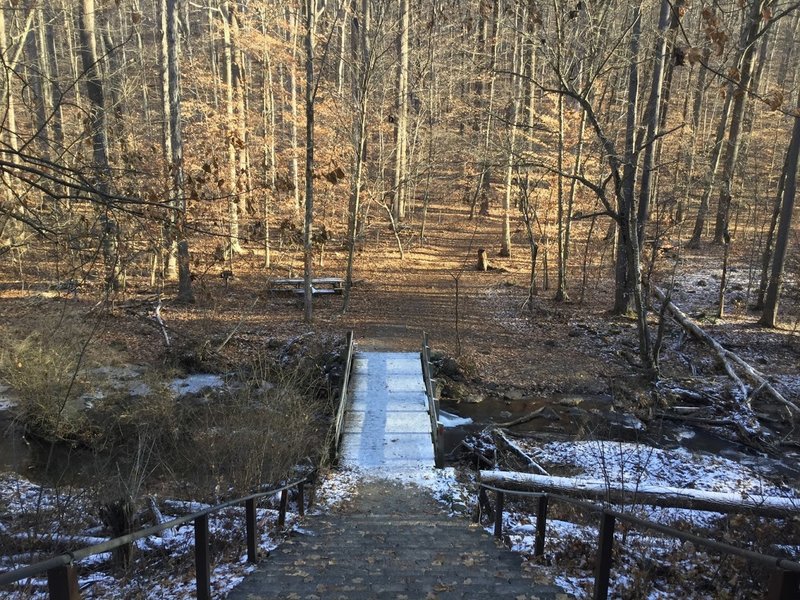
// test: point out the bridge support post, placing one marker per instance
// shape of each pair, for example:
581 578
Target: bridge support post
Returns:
250 522
62 583
202 560
602 572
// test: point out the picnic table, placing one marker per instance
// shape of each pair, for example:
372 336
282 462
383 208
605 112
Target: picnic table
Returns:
319 285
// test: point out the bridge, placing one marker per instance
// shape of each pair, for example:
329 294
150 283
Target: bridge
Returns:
387 422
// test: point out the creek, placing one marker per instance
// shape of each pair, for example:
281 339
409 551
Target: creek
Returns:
568 417
60 463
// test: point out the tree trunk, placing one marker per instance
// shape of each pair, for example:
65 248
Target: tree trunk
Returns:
228 17
653 118
269 162
294 164
178 196
360 51
747 47
716 155
401 120
98 125
623 296
169 246
769 317
690 151
766 255
308 255
482 189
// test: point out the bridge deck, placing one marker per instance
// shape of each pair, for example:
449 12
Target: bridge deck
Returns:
387 425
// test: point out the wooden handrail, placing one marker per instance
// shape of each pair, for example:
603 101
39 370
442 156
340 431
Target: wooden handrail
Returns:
62 576
433 411
338 424
783 585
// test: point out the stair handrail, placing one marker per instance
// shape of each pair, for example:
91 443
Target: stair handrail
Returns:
784 580
62 575
437 431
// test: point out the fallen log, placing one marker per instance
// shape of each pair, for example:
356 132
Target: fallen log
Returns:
536 414
519 452
651 495
726 357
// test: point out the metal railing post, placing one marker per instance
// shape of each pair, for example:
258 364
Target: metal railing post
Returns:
602 573
282 508
784 585
202 560
498 515
62 583
251 533
541 525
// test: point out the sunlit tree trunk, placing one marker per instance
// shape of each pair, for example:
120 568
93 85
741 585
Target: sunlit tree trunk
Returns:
178 197
401 120
361 72
308 254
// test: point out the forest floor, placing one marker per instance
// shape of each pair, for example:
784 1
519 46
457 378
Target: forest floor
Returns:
504 347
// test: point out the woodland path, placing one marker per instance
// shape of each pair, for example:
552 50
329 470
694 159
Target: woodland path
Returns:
390 540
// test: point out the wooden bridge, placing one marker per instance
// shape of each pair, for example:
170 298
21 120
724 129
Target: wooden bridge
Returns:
387 422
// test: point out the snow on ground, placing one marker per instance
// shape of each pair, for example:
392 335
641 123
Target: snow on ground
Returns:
641 465
165 566
635 464
196 383
569 547
6 402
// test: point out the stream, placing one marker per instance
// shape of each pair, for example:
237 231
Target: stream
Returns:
46 463
572 416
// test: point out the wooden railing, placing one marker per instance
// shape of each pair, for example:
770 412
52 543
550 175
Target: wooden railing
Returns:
338 423
784 583
62 574
437 431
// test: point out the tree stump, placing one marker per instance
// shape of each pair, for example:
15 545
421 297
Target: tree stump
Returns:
483 260
118 517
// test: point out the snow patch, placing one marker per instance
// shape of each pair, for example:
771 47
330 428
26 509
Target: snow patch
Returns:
194 384
450 420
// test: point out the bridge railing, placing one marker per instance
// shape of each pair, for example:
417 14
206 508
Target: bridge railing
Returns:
784 583
437 431
338 423
62 573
